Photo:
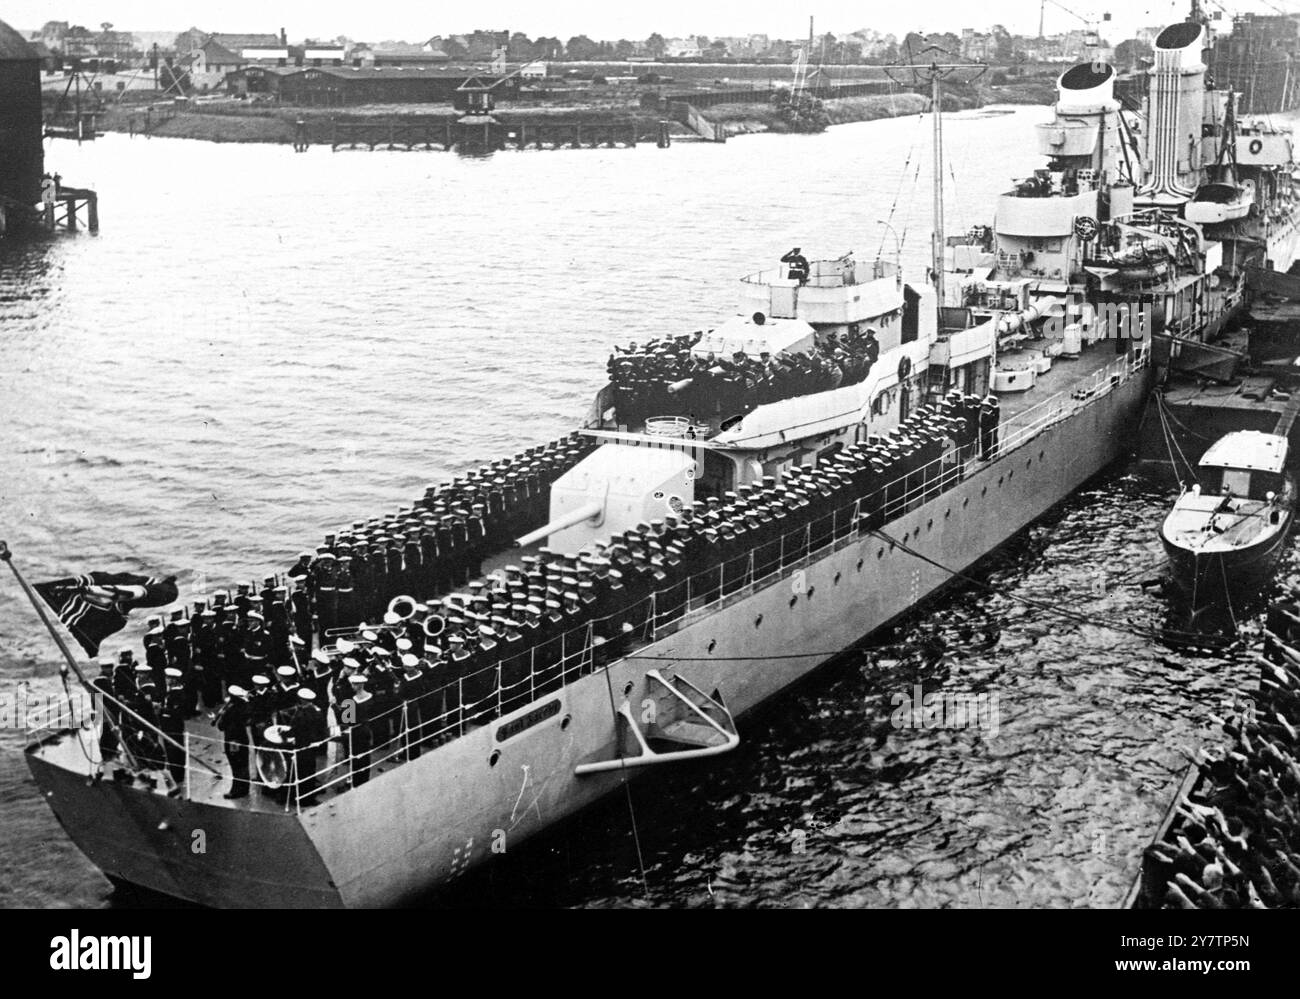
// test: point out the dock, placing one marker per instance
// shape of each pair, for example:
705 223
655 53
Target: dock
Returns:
483 132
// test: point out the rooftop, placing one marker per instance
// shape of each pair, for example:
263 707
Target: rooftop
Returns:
1247 449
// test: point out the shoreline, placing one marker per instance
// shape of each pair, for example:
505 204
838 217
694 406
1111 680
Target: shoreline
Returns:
278 125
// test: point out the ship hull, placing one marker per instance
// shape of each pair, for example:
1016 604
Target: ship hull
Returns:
432 819
1203 576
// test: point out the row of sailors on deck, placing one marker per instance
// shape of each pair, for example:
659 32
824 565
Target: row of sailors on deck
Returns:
521 633
435 545
666 376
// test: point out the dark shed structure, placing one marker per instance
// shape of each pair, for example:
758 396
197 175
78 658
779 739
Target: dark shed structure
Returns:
329 86
22 155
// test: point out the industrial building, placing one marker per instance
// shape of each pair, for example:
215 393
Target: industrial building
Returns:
22 156
1260 60
335 86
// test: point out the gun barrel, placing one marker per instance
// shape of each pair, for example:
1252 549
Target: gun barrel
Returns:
588 511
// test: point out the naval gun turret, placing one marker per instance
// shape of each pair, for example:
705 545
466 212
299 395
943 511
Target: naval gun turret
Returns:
612 490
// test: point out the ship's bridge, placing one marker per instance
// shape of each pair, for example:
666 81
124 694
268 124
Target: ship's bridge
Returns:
836 293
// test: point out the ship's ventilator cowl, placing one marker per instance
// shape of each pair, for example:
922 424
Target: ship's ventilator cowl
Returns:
1086 87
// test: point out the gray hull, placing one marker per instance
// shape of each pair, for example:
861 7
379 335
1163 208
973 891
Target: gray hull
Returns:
430 820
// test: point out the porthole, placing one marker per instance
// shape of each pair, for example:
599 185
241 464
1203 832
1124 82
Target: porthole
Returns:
880 553
1028 462
564 722
907 537
966 502
811 591
758 620
713 644
947 513
627 688
1011 474
1040 455
793 601
837 579
1000 478
860 565
984 491
496 755
929 524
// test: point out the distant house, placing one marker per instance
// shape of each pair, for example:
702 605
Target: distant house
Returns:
210 62
53 34
221 53
682 48
535 70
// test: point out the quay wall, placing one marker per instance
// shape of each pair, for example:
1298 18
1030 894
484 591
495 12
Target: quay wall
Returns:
277 125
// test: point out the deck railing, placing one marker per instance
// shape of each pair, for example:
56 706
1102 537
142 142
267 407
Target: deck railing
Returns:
448 711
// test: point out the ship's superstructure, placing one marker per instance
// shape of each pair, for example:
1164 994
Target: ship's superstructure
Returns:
741 503
1138 224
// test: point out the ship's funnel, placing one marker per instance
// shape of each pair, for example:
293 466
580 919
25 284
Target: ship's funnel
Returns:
1086 87
1175 108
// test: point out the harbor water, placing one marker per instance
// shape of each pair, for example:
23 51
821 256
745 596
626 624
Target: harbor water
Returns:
260 347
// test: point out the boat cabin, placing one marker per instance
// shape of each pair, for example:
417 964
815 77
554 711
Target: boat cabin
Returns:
1247 464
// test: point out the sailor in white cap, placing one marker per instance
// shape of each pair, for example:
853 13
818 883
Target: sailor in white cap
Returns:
233 720
356 720
310 730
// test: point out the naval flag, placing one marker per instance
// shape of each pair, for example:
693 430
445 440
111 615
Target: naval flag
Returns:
95 605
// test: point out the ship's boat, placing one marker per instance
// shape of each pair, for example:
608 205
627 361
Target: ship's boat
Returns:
1216 203
1229 527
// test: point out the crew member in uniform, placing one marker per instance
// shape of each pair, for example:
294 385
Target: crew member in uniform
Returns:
233 720
356 727
171 719
108 711
309 728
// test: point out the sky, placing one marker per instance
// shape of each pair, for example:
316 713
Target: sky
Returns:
412 21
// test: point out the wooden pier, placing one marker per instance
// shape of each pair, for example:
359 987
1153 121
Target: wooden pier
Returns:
70 208
472 132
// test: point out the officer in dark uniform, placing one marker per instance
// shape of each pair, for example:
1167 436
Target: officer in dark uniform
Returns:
180 655
277 624
230 648
308 730
108 712
324 590
203 639
300 602
233 721
147 749
988 424
301 571
255 645
171 719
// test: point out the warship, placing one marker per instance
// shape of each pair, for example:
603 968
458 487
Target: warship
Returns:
740 506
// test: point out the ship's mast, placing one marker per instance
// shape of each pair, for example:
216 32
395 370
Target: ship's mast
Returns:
934 73
937 240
